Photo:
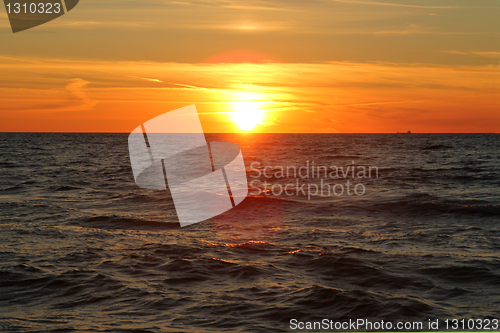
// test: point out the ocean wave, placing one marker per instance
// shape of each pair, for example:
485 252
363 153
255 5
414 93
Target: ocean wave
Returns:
19 188
463 274
120 222
437 147
357 303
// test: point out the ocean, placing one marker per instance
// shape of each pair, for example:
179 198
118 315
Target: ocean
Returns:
414 238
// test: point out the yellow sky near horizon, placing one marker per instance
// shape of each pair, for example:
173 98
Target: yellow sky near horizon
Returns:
325 66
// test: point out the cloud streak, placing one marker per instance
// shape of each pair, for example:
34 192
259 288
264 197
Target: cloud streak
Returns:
361 97
76 88
392 4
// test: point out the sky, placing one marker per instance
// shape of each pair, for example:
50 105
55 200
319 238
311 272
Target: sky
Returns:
328 66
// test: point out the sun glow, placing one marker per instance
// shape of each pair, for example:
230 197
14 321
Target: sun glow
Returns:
247 115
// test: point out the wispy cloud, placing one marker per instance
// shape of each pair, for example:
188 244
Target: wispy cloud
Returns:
360 97
395 4
490 54
76 88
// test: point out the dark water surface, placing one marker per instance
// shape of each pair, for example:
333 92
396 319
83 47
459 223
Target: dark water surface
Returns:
83 249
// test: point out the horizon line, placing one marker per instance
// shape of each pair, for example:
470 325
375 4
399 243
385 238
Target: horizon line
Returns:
34 132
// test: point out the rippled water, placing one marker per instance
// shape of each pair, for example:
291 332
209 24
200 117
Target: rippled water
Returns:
83 249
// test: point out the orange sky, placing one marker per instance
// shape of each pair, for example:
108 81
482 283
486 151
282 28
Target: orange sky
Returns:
326 66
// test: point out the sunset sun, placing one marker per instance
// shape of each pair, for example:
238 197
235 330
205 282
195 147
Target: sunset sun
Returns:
247 115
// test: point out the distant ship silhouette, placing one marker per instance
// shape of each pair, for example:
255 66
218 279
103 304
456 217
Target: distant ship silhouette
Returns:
409 132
